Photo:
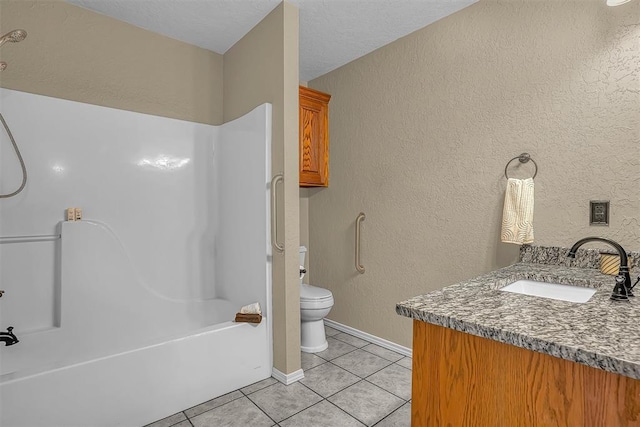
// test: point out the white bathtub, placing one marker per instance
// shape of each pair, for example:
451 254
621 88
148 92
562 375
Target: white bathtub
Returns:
136 387
126 316
123 355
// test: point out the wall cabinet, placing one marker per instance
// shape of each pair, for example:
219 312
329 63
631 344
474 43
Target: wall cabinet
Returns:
465 380
314 138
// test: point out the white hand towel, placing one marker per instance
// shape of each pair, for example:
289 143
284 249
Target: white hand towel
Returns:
251 309
517 215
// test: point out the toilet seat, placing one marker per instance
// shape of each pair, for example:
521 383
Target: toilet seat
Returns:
313 297
308 292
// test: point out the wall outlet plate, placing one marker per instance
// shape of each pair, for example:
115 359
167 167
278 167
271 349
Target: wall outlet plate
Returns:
599 212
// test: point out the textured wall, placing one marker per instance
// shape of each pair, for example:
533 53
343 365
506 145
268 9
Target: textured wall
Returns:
263 67
421 131
73 53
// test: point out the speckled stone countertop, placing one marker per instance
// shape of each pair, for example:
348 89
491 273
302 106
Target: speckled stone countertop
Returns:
600 333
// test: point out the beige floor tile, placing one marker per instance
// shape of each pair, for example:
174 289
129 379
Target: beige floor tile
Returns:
323 414
282 401
237 413
336 348
366 402
328 379
361 363
385 353
213 403
395 379
400 418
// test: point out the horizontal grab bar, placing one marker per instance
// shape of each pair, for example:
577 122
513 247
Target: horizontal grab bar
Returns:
25 239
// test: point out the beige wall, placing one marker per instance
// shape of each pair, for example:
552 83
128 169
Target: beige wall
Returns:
263 67
421 131
77 54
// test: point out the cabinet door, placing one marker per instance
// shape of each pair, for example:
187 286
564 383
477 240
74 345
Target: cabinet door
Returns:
314 138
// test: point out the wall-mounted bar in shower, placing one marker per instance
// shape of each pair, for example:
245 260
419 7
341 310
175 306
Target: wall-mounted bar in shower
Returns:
26 239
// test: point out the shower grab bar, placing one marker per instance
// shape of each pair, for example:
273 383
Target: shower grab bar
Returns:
359 220
274 213
26 239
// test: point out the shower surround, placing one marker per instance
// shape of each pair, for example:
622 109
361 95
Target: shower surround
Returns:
126 316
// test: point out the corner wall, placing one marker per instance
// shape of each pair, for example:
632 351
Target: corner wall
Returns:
421 131
263 67
77 54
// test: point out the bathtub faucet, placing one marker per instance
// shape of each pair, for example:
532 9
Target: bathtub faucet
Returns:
8 338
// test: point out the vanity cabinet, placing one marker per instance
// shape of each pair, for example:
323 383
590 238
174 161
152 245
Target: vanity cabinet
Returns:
314 137
464 380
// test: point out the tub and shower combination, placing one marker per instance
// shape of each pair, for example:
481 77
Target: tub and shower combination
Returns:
125 316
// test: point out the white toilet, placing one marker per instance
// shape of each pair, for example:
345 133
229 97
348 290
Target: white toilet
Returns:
315 304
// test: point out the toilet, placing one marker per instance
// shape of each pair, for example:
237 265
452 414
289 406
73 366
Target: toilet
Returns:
315 304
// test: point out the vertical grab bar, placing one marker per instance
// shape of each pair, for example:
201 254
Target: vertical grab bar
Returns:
359 220
274 213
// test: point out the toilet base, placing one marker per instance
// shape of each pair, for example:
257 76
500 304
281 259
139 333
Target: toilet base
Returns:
312 336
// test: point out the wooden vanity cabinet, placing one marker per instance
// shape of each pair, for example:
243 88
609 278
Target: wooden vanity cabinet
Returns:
314 137
464 380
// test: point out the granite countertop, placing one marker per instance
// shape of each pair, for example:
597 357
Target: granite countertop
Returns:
600 333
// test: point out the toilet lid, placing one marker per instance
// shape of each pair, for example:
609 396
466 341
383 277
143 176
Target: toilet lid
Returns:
308 292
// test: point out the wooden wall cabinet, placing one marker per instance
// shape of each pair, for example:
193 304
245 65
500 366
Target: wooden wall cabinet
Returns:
465 380
314 138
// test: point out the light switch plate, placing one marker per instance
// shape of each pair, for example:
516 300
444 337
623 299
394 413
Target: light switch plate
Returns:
599 212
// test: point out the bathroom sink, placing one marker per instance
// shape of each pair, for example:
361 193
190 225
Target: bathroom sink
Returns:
569 293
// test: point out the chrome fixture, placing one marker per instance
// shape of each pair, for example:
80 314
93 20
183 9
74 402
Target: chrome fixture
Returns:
14 36
8 338
616 2
522 158
623 281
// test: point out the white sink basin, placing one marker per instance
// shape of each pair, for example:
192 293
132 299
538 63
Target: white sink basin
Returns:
551 290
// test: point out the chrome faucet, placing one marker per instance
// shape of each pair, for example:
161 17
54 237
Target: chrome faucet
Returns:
624 264
8 338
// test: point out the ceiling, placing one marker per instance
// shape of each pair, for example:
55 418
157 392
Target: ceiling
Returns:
332 32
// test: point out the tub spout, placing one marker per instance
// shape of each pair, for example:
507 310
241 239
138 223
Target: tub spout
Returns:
8 338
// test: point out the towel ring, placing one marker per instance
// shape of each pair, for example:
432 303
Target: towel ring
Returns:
523 158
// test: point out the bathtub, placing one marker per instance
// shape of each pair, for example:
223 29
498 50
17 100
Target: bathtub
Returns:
122 354
136 387
125 317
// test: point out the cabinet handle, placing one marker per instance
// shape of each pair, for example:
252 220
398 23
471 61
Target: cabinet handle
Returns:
274 213
359 220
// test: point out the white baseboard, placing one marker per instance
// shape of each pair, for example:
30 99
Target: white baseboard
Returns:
371 338
287 379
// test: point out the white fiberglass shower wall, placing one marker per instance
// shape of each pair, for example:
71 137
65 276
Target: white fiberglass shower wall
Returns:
141 293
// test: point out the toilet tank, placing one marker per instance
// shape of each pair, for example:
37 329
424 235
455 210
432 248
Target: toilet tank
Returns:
303 253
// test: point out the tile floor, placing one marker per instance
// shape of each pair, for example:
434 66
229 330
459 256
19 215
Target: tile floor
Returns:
352 383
